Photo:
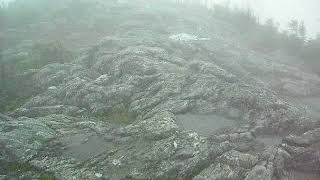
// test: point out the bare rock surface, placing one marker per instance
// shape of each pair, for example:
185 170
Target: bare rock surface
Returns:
134 106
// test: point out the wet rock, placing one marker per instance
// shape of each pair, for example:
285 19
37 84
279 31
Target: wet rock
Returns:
259 173
203 124
5 118
113 112
23 138
219 171
142 89
33 112
270 140
303 150
183 37
306 139
235 158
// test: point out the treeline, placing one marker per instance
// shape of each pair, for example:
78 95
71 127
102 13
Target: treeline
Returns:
17 68
19 13
16 71
267 37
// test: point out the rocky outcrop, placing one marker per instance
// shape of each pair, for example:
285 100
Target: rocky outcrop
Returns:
111 114
304 151
117 117
141 80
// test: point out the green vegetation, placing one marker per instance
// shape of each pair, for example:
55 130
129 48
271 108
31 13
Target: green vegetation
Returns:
264 37
17 86
311 52
22 168
19 168
42 54
120 118
119 115
243 20
19 13
12 104
267 37
47 176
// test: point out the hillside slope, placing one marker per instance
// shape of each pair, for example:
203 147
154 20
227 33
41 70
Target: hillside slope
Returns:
113 112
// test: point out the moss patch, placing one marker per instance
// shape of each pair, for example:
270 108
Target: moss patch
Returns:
120 118
13 104
46 176
42 54
18 169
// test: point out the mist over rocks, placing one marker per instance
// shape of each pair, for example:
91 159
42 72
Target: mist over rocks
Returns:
112 112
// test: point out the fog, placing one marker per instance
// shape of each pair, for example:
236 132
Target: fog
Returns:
283 11
6 1
159 89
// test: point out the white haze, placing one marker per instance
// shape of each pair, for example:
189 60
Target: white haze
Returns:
281 11
5 1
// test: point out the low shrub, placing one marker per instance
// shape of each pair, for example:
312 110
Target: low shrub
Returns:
42 54
22 168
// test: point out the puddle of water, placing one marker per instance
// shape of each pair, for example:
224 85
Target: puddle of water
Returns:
312 104
296 175
83 146
270 141
203 124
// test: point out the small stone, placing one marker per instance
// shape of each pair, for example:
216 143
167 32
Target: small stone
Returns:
116 162
52 88
99 175
175 145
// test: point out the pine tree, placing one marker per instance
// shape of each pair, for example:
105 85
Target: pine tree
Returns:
293 27
302 30
271 26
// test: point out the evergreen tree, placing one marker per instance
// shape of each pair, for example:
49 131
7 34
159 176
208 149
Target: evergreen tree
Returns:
302 30
293 27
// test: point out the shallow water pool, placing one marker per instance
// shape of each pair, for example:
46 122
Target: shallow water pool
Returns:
204 124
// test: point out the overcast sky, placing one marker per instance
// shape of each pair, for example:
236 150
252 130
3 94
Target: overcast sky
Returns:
284 10
5 1
281 10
